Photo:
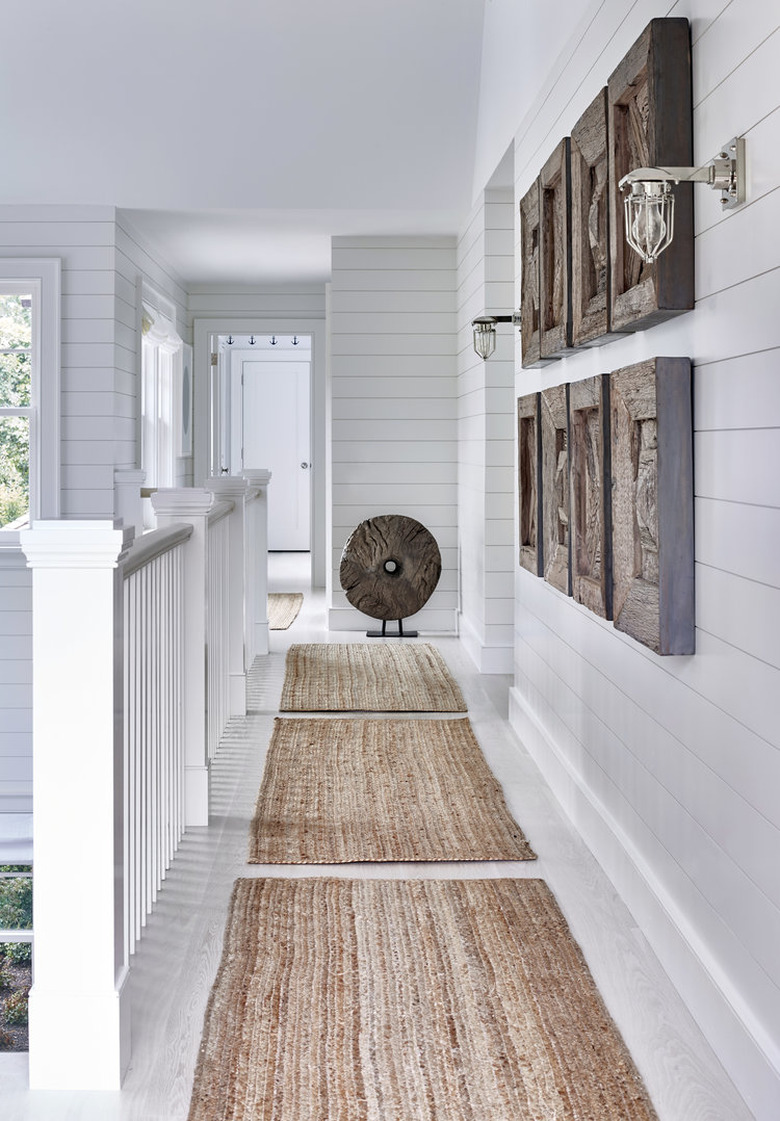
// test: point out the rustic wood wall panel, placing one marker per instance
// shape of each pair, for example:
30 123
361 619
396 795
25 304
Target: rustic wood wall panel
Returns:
650 124
555 487
555 253
528 482
652 503
590 265
590 514
530 339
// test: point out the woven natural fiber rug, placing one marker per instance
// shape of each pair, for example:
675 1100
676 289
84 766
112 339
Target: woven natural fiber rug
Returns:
363 677
283 608
339 790
393 1000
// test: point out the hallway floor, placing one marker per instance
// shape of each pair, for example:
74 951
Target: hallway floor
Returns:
177 959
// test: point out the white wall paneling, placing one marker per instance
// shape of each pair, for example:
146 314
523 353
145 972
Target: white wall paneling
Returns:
486 434
664 764
393 426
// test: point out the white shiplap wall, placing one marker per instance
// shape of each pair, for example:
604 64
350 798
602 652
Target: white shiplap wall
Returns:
486 437
394 423
671 767
101 262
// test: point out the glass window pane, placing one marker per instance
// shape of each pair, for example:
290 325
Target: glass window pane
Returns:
15 898
15 321
15 343
14 470
15 374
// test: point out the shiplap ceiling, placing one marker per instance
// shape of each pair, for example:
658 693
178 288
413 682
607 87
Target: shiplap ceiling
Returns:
240 135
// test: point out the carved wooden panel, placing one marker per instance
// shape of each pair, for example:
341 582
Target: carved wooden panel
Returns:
555 253
651 124
555 487
528 488
590 515
652 503
530 339
590 311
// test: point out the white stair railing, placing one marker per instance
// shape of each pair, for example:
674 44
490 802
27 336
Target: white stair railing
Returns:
153 572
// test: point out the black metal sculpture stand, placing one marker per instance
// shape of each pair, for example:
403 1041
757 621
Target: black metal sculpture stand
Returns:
400 633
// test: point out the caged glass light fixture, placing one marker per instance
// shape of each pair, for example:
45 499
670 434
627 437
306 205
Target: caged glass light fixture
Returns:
649 204
484 328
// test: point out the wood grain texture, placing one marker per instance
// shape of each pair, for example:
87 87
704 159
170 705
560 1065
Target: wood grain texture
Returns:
591 510
555 487
529 491
555 253
390 567
590 260
530 280
651 124
652 504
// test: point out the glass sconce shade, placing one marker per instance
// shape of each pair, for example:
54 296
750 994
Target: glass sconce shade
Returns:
484 335
649 208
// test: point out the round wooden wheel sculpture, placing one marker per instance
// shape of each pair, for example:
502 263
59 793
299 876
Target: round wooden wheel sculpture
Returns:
389 567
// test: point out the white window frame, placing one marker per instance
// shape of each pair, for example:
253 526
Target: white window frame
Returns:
161 357
42 277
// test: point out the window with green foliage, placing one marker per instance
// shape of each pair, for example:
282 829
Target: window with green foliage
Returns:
16 404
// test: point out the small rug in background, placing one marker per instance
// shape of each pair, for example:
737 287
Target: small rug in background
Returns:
387 1000
364 677
283 608
336 791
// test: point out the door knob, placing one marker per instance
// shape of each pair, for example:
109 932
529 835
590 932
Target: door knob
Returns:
305 465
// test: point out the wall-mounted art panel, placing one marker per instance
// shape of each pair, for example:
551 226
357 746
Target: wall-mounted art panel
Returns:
528 488
530 338
650 122
555 253
652 504
590 512
555 487
590 266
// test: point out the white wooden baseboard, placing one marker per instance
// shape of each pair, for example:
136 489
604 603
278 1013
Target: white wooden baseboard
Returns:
435 621
486 657
749 1055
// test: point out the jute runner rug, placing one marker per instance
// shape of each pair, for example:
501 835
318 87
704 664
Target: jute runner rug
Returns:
283 608
392 1000
339 790
363 677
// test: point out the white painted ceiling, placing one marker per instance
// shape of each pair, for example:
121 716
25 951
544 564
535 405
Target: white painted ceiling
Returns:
240 135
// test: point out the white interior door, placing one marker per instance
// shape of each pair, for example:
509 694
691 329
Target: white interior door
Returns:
276 435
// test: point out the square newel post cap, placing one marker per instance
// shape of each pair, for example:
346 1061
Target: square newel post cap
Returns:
227 486
182 502
257 477
76 543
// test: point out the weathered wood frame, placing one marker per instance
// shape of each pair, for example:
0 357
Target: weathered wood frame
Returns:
529 490
555 486
555 253
530 315
652 504
590 253
650 122
590 510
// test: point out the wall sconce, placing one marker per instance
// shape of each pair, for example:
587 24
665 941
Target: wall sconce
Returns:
649 204
485 332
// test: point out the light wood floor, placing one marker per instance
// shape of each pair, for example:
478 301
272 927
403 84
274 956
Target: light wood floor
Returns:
175 964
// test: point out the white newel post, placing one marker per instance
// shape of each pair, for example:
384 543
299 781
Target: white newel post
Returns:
191 505
257 562
128 504
234 489
79 1007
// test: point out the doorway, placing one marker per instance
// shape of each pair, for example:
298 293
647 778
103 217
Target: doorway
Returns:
212 437
270 427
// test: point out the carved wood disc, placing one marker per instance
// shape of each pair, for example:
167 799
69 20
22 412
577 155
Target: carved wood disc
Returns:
390 566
